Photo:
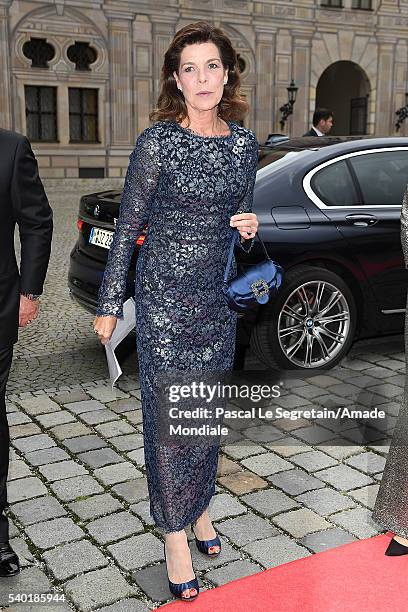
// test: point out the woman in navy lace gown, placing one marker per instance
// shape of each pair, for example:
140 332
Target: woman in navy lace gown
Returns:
191 179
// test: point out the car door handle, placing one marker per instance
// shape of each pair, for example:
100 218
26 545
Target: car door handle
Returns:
362 220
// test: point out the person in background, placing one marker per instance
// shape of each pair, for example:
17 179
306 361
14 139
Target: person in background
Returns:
322 122
23 201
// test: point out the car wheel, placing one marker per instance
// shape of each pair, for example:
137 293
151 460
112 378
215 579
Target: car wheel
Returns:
309 324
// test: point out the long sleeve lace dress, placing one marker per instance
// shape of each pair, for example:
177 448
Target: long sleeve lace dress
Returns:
185 187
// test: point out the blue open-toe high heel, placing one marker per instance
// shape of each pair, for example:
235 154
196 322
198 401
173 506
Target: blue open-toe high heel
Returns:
177 589
205 545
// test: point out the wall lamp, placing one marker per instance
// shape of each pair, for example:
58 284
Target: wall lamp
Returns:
402 114
287 109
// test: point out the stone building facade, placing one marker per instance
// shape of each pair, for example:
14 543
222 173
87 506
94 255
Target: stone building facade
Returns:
80 77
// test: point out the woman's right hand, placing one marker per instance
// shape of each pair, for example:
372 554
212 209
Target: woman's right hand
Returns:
104 326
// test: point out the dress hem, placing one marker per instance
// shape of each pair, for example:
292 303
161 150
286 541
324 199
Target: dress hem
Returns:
401 531
195 516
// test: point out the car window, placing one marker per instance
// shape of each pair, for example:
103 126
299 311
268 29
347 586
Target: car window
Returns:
334 185
383 176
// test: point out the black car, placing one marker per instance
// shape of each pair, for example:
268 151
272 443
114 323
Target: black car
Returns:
330 215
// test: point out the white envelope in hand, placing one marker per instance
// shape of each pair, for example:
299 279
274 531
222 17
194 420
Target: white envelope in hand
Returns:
123 328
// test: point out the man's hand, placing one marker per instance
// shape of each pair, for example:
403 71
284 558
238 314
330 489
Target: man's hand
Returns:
28 310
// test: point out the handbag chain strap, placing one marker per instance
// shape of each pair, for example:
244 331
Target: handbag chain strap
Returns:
235 236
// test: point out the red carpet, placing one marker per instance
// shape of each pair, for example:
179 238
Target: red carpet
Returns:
355 577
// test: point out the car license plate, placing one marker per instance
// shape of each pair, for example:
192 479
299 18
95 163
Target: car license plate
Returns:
100 237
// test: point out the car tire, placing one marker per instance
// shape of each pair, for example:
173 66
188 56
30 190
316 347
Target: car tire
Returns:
277 349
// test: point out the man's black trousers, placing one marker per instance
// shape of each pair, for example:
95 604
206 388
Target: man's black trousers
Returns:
6 355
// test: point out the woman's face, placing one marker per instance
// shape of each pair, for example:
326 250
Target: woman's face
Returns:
201 70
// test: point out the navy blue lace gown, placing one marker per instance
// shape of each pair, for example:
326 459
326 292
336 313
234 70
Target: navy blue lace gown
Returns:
185 187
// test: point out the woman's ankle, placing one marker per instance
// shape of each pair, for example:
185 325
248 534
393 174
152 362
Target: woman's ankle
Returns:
204 517
175 535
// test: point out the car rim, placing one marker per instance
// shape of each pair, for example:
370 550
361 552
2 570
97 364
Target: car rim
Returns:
313 324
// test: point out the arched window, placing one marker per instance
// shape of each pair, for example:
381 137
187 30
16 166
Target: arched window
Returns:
39 52
82 55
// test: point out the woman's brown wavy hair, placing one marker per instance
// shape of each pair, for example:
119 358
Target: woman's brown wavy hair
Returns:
170 103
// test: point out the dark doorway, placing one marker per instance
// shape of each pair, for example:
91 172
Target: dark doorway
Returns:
344 88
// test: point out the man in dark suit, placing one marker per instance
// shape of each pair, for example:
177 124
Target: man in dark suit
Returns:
322 122
22 201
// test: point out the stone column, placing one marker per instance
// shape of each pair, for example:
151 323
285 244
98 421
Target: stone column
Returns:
121 69
389 6
299 122
163 31
401 81
6 119
385 110
142 76
265 81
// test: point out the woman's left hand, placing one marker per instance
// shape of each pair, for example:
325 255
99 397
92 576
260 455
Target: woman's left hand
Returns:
246 223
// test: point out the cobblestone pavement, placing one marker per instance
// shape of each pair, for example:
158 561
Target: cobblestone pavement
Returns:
77 489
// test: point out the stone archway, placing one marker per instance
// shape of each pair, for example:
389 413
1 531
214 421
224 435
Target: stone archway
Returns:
344 88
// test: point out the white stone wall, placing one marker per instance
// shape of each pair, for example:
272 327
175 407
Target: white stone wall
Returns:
278 40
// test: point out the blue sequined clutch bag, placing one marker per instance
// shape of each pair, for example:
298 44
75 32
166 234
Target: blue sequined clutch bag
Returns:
255 285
